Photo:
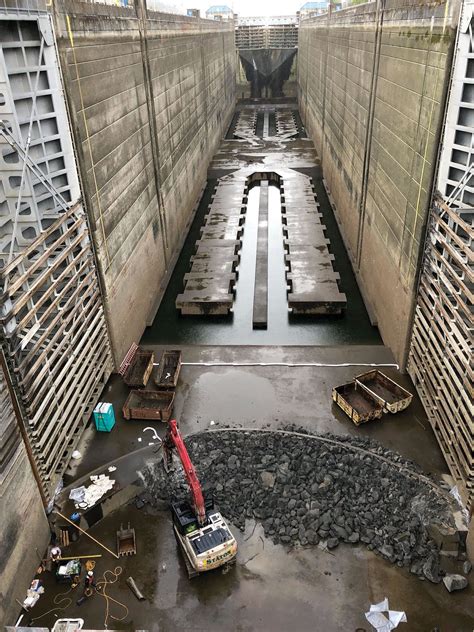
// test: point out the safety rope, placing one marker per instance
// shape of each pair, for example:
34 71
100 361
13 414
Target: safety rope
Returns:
217 363
346 445
60 597
101 587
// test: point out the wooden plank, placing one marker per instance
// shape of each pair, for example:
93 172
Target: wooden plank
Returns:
58 389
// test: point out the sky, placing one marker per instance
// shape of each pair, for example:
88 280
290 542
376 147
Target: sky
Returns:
243 8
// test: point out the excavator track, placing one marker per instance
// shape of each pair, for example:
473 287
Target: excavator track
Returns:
192 572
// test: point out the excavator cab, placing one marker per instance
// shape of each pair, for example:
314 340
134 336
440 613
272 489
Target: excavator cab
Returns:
184 518
203 547
202 533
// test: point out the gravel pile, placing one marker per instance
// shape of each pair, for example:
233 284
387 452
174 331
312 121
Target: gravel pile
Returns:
305 491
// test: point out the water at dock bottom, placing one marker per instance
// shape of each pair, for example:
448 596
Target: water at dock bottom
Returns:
353 327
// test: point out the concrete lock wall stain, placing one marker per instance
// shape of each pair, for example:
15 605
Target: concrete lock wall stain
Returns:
150 96
371 83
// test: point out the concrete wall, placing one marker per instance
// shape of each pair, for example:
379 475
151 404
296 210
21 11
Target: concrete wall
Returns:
20 506
150 96
371 82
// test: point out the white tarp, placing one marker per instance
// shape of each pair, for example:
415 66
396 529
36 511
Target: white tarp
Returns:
86 497
382 618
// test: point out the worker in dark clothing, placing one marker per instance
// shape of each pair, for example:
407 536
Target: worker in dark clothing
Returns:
89 586
89 583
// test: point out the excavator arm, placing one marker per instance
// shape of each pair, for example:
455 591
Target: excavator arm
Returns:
174 440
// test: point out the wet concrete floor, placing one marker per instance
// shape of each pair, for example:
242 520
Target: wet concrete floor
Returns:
271 588
260 383
258 396
278 589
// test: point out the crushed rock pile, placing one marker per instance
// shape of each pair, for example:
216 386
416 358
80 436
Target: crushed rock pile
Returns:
304 491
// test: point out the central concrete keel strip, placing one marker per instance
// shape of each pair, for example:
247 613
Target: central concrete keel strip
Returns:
266 124
260 296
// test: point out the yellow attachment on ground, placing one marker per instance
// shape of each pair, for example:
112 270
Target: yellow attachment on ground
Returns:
90 565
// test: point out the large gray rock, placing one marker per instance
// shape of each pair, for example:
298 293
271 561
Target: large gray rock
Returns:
431 569
268 479
303 490
455 582
233 462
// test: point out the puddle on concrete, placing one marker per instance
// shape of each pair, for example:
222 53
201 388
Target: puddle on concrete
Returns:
232 390
271 587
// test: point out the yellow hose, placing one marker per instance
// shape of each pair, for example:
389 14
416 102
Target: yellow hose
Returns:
101 587
57 600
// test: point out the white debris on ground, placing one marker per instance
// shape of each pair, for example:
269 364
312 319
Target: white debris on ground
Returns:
33 594
382 618
86 497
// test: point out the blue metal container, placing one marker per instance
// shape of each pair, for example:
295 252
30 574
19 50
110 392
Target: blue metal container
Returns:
104 417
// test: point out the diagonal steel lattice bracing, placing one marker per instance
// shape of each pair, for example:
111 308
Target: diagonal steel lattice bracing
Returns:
53 329
32 108
441 355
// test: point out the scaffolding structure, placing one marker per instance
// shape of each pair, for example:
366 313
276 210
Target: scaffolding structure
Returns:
53 331
441 360
9 431
265 35
441 355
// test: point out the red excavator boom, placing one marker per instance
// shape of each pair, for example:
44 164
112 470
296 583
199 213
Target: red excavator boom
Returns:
173 439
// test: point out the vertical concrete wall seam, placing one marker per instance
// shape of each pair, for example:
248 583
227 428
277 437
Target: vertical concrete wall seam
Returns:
369 127
155 95
87 134
82 193
142 21
375 117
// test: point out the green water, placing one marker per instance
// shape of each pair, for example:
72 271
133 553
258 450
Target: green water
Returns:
354 327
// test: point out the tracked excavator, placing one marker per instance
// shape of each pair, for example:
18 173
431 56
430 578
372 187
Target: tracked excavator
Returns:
203 535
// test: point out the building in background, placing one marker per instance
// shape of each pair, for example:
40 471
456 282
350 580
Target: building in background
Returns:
314 8
310 9
219 12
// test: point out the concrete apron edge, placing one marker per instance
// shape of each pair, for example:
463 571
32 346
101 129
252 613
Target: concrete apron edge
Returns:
289 364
